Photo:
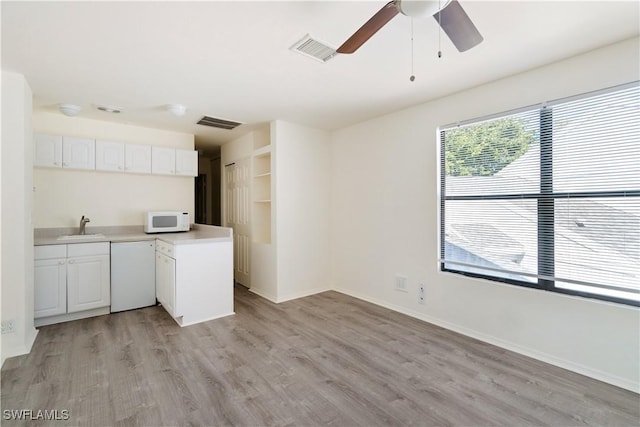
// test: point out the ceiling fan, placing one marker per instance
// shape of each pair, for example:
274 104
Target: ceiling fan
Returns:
448 13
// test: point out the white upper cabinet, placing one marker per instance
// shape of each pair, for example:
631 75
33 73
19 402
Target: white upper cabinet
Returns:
163 160
186 162
48 150
78 153
137 158
54 151
64 151
109 156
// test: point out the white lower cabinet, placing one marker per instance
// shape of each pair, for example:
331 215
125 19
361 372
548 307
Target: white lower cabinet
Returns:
71 280
194 281
50 288
166 282
88 283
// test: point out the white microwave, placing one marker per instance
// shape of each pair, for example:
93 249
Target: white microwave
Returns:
166 222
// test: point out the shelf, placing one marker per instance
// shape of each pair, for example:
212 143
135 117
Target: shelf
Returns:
262 165
263 151
261 186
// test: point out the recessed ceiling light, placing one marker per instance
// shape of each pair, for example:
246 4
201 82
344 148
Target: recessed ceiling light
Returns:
177 109
69 109
109 109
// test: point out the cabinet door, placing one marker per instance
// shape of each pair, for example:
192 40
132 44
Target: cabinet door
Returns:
187 162
78 153
50 287
109 156
163 160
88 283
170 288
137 158
160 278
48 150
165 282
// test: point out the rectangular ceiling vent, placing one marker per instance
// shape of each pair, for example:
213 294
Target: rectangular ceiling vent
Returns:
313 48
218 123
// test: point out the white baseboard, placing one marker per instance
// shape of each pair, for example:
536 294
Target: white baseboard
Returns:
288 297
22 349
44 321
263 295
180 320
526 351
296 295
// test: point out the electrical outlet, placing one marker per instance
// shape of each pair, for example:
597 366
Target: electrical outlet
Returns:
401 283
421 293
8 326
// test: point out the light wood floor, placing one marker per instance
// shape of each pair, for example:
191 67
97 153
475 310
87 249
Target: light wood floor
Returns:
327 359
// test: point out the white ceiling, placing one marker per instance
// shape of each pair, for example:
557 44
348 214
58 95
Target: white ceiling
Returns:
231 59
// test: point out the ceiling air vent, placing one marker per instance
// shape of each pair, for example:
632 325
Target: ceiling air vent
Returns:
218 123
314 49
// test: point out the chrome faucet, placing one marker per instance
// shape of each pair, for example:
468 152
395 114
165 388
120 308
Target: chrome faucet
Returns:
83 224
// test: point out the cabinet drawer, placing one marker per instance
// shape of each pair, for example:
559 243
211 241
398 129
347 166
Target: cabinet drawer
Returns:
50 251
85 249
165 248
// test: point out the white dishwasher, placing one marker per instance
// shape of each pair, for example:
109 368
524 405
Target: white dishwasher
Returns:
133 275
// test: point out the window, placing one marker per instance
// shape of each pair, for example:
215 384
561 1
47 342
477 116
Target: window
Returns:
547 197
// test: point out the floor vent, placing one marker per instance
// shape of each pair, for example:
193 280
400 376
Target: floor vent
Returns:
218 123
313 48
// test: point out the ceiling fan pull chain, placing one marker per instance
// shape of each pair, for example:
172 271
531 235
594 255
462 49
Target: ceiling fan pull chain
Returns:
439 30
412 78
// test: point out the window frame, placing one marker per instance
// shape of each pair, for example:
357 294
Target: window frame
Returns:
546 197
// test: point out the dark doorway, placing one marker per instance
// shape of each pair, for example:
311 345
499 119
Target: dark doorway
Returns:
201 199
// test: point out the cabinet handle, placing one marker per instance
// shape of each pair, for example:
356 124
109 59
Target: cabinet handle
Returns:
61 262
71 261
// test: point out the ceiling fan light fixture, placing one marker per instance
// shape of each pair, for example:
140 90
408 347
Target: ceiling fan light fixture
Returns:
421 8
177 109
69 109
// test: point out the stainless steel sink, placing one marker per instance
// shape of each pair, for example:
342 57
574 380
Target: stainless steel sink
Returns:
81 237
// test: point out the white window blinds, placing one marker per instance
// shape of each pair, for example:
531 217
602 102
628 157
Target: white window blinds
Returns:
548 197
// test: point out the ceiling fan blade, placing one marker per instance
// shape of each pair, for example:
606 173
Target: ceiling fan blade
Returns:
369 28
458 26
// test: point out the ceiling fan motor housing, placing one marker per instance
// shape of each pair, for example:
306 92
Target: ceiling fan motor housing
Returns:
421 8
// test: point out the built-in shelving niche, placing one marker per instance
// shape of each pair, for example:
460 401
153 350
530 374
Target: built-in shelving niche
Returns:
261 224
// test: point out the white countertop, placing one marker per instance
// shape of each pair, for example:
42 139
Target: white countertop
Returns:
199 233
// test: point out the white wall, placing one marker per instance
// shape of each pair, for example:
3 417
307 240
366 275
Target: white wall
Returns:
296 262
384 222
17 232
62 196
302 177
